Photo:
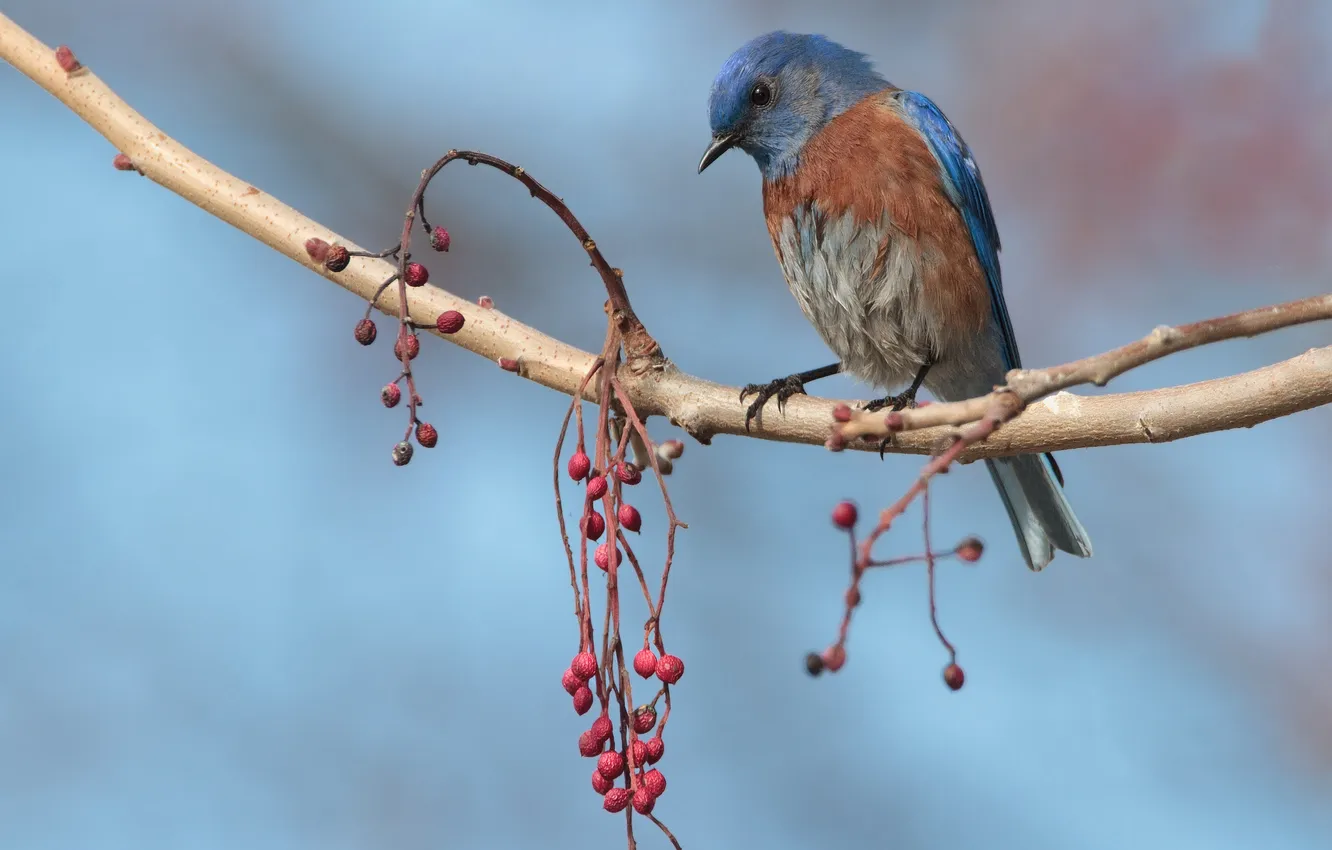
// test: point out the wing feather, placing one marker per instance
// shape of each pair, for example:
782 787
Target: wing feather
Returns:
965 188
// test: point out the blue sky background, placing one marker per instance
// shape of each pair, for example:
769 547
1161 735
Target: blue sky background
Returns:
227 621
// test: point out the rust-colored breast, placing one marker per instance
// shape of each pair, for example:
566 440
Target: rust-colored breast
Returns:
870 162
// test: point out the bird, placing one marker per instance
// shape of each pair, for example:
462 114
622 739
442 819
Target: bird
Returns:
885 235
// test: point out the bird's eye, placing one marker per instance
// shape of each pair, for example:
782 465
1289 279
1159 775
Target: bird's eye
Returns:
760 95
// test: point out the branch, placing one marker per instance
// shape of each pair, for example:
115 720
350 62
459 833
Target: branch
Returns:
1237 400
704 409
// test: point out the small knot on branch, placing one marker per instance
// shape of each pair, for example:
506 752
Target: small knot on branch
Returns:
1163 336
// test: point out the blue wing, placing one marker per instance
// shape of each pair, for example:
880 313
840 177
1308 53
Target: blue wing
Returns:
962 181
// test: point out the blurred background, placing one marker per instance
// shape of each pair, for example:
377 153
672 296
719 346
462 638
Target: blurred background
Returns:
226 620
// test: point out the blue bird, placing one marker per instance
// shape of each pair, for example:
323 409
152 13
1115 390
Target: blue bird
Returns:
884 233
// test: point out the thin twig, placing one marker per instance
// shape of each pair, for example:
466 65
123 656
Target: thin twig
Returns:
1023 386
638 343
575 402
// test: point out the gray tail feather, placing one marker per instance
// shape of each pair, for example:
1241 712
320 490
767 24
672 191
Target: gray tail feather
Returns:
1042 517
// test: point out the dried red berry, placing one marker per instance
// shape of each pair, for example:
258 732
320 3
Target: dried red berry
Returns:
610 764
584 665
970 550
596 487
601 728
450 322
654 782
601 784
508 364
834 657
122 162
416 275
629 516
439 239
314 246
593 525
628 473
814 663
589 746
408 342
656 748
337 258
390 395
426 435
616 800
645 663
582 700
579 465
639 751
365 332
603 557
486 302
570 682
844 515
65 59
402 453
670 669
644 801
954 677
645 717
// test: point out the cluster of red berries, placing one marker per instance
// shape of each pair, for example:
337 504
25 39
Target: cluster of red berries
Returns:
335 258
593 524
642 785
635 758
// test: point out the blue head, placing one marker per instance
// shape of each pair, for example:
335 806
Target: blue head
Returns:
780 89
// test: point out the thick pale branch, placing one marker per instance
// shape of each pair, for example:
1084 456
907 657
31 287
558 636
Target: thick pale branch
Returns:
1068 421
702 408
163 160
1027 385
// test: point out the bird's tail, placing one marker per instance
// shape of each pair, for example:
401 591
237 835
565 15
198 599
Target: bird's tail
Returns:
1042 517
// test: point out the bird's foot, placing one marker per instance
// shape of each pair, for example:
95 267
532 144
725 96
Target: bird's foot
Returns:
904 401
782 388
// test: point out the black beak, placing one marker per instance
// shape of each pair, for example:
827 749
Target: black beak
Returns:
718 146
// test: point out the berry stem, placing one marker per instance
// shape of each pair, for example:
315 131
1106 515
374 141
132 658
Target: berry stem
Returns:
576 403
929 572
378 255
378 292
638 343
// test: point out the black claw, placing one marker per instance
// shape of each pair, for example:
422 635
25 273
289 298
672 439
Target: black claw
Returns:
894 402
782 388
904 401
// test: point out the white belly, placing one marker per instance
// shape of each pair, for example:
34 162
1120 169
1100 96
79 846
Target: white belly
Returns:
860 288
